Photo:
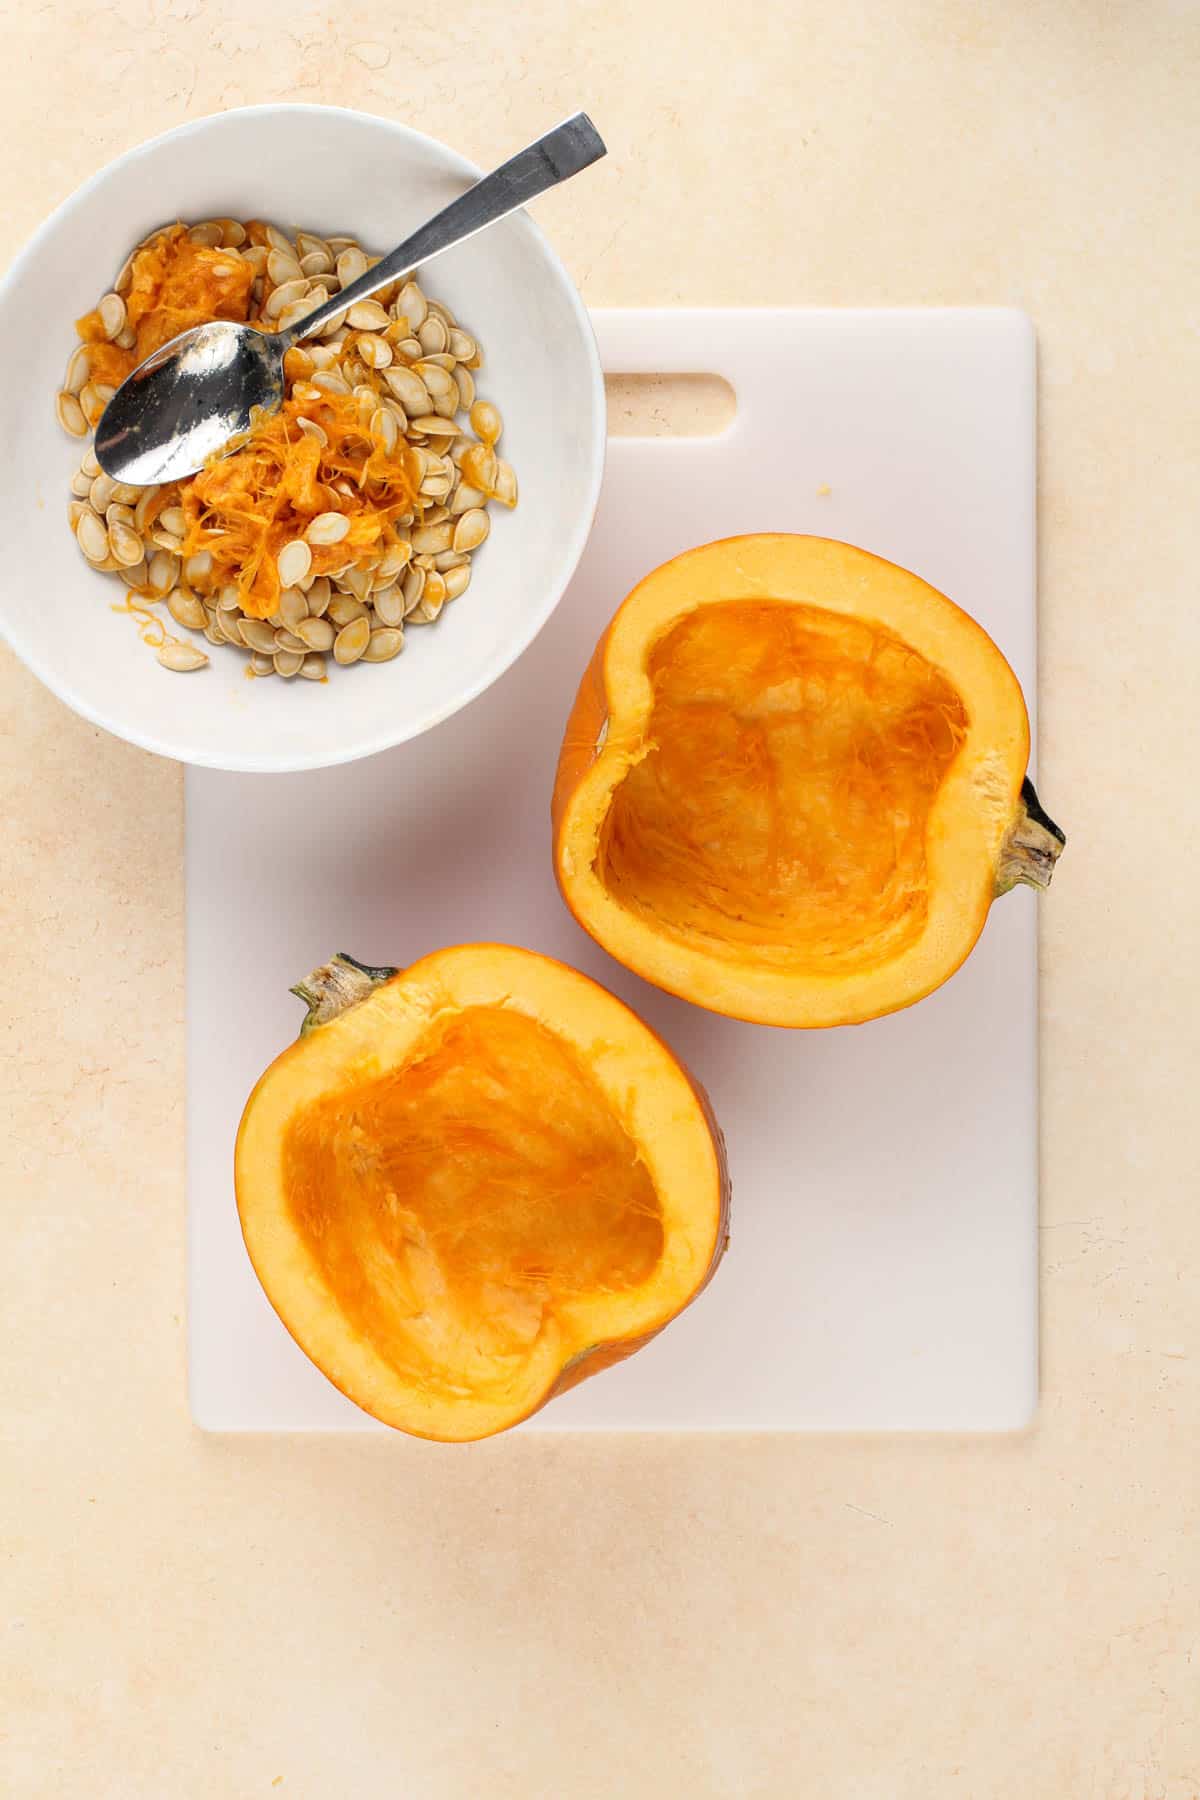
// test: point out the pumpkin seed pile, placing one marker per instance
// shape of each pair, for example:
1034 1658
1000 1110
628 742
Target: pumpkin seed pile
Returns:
411 368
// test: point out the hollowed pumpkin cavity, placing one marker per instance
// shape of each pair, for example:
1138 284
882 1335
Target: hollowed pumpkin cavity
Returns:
779 812
469 1185
793 782
463 1199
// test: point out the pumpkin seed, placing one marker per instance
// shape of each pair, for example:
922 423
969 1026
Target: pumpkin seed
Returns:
81 485
101 492
385 429
344 609
466 498
414 587
71 415
185 609
357 582
75 512
293 606
198 568
375 351
116 514
127 493
449 559
293 563
330 381
282 266
412 306
166 540
327 528
162 572
77 370
478 466
209 233
461 346
233 234
486 422
350 264
427 540
441 311
504 488
93 398
313 668
433 334
410 391
277 240
92 536
258 635
383 644
319 595
173 519
231 625
456 580
471 529
316 634
228 599
213 633
287 640
284 295
262 664
464 381
367 315
111 311
312 429
124 280
183 658
142 507
332 327
433 425
289 662
352 640
389 604
317 262
126 339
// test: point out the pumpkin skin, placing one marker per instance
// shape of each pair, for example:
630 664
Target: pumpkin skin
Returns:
470 1185
793 782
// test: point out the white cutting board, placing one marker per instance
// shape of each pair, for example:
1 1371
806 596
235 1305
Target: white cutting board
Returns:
882 1273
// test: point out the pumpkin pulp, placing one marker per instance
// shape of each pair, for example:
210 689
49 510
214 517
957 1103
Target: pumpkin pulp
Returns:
793 782
471 1184
780 811
457 1203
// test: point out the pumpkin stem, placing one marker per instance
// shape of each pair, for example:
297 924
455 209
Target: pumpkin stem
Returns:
335 987
1032 847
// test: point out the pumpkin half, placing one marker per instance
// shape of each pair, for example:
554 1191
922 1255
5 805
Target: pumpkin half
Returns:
469 1185
793 782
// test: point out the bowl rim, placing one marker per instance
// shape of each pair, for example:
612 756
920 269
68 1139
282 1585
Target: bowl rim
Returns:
291 763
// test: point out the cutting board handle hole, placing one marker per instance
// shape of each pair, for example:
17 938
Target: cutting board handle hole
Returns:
651 406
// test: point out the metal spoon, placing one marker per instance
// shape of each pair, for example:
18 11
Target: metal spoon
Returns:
191 396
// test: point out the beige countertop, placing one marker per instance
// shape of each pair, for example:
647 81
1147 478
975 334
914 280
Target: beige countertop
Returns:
595 1619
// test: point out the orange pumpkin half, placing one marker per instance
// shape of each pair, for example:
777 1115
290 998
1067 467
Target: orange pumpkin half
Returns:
793 783
469 1185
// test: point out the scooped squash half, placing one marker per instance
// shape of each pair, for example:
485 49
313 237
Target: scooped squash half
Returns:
793 782
469 1185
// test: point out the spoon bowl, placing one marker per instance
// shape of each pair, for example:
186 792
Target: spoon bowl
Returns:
187 400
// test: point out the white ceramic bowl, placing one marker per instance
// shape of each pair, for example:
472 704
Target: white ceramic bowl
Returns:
318 168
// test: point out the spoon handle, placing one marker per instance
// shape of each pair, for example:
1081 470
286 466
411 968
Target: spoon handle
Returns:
563 152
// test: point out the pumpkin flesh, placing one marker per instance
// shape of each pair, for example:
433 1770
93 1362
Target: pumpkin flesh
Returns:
793 782
781 809
477 1183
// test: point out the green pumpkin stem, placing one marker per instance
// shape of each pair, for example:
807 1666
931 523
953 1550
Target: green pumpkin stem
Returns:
335 987
1032 847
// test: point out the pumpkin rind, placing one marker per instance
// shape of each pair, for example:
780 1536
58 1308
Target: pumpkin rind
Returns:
372 1031
984 831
